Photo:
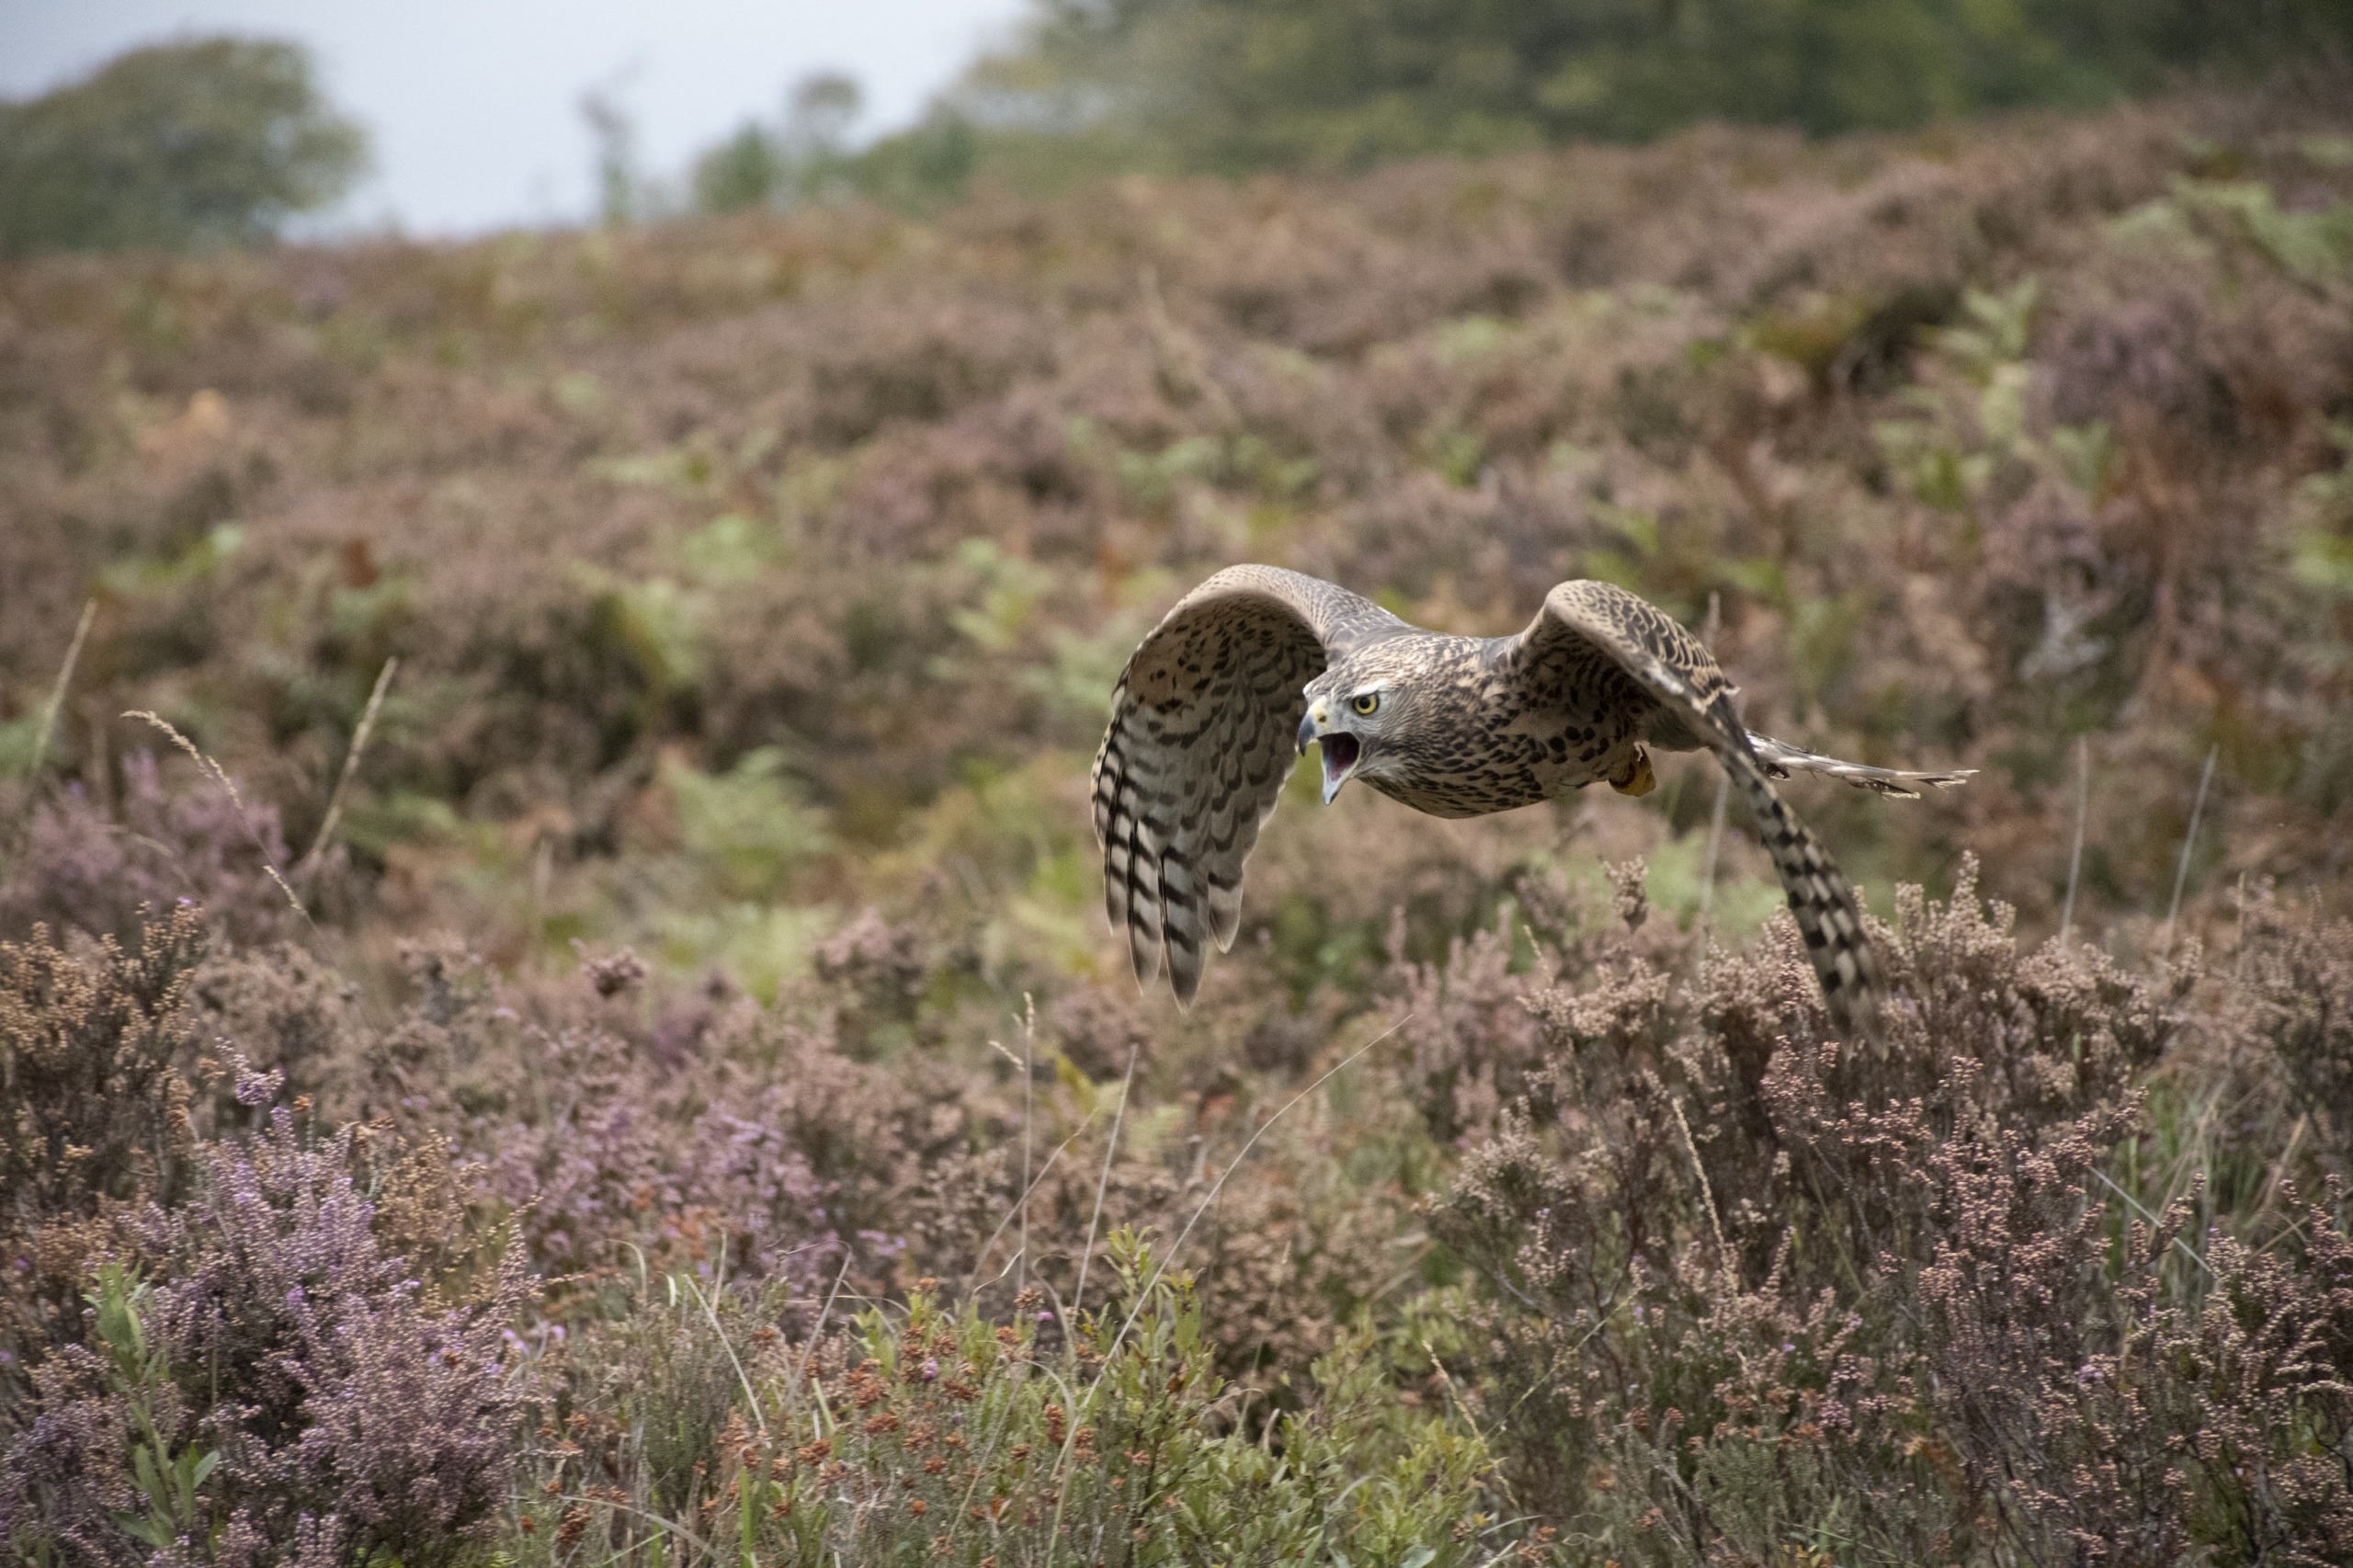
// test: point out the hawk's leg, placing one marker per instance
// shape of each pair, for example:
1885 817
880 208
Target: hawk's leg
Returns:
1637 778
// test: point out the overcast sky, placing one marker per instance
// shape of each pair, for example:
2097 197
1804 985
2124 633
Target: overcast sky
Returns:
472 105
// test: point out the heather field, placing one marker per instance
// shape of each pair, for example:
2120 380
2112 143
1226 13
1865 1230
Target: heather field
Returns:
555 1005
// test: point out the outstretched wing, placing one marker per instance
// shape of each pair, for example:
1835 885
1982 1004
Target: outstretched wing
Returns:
1695 699
1201 743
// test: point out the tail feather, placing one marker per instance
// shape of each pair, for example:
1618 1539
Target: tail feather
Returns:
1822 902
1779 759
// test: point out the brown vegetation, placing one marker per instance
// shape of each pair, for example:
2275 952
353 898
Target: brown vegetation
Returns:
756 586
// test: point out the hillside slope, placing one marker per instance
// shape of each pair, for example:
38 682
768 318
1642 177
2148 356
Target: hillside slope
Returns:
690 1107
1980 440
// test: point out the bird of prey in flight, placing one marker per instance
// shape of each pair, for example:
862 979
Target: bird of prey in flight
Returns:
1258 661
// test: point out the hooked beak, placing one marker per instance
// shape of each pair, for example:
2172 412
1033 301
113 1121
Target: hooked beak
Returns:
1341 750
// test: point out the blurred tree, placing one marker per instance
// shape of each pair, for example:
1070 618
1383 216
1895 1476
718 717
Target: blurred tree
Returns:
745 171
618 196
806 158
820 113
181 146
919 167
1231 85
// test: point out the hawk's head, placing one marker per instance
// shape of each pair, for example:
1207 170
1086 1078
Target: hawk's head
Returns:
1366 712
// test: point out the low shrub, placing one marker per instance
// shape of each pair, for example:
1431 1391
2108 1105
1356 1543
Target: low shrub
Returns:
260 1381
924 1433
1599 1250
1743 1291
96 1053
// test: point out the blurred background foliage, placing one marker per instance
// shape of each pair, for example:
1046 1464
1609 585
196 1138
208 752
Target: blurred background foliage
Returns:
1234 87
214 140
181 146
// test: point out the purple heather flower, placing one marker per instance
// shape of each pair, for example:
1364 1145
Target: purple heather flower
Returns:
256 1088
365 1395
930 1370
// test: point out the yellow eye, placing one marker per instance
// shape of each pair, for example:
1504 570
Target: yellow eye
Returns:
1366 702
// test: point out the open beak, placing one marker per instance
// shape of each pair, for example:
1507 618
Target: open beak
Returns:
1340 750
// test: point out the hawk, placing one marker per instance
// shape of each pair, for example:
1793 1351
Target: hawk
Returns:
1258 661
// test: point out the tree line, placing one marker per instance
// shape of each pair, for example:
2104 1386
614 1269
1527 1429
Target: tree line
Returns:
213 141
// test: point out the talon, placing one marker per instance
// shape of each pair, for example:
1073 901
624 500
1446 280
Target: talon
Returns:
1637 778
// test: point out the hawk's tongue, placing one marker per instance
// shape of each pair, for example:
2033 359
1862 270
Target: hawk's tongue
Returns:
1339 760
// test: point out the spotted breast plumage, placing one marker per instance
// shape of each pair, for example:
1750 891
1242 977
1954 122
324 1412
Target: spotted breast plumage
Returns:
1258 661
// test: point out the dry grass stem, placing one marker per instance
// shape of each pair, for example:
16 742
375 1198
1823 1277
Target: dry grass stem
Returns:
205 764
2075 856
1707 1193
2188 842
1177 1246
309 864
1715 844
1029 1187
57 692
1103 1182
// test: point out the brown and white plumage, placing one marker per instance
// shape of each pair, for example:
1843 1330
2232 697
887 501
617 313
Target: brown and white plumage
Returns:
1259 661
1200 747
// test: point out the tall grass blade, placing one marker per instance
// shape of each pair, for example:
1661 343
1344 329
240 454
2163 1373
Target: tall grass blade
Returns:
309 864
1217 1187
1027 1189
2075 858
2188 840
1102 1183
57 692
1715 844
1028 1101
710 1310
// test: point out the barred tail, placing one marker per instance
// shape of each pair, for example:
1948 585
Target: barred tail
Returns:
1823 905
1780 759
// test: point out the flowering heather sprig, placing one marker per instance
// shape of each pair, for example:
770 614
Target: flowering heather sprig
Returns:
93 1044
333 1390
